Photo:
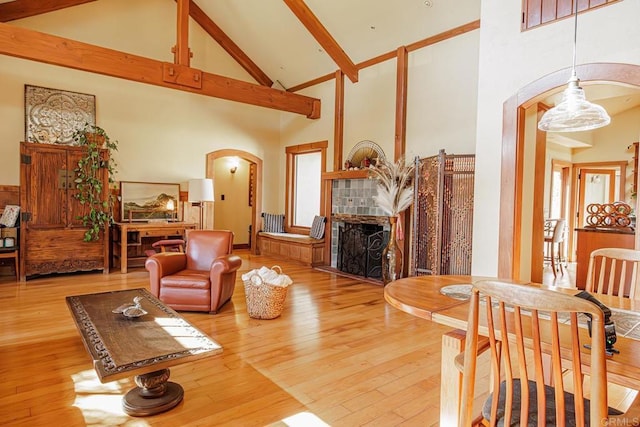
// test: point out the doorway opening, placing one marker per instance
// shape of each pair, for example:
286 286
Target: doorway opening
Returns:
511 239
249 182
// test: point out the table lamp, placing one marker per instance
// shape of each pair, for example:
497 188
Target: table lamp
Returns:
200 191
170 209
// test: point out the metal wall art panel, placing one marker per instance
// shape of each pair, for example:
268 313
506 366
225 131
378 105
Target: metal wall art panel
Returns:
52 115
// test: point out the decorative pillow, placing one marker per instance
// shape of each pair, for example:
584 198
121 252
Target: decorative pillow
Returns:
273 223
317 228
10 215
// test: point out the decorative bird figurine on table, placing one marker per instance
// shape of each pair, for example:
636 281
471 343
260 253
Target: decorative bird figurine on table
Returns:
131 310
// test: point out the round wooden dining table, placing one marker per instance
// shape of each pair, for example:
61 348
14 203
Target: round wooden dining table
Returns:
441 299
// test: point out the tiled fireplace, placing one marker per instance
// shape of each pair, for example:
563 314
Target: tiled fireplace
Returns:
359 228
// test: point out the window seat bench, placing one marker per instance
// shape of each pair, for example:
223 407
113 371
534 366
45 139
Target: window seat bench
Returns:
297 247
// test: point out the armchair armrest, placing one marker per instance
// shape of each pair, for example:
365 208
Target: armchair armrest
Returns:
225 264
163 264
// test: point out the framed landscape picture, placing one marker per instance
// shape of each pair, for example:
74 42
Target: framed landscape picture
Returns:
149 201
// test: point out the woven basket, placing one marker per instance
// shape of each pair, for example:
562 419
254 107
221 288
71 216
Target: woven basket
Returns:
264 301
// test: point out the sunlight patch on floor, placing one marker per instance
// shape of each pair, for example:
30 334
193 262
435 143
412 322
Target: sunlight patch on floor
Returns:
101 404
304 419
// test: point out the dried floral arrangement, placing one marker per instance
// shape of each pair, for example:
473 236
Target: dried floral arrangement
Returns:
395 185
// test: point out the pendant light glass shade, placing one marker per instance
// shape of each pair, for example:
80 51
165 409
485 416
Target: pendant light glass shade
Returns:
574 113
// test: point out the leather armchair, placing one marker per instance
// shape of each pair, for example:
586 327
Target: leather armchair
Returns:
201 279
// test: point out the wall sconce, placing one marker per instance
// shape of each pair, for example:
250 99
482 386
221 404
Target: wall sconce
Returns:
234 162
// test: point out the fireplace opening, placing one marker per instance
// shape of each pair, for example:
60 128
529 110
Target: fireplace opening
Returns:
360 249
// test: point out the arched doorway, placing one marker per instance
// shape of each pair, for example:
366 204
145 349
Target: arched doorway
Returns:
511 188
256 184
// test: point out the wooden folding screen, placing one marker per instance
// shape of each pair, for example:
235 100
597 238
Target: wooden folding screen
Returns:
443 214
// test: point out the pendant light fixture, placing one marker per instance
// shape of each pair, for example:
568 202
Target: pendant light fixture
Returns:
574 113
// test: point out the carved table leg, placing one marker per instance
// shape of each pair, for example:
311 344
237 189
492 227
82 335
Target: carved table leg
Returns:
153 395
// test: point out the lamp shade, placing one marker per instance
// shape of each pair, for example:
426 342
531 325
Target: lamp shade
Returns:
574 113
201 190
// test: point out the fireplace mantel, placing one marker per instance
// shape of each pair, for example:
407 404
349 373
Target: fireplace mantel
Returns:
360 219
346 174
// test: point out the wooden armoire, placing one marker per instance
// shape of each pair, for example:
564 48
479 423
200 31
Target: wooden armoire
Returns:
51 236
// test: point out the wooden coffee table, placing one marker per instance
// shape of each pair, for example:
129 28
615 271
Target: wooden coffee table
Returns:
144 347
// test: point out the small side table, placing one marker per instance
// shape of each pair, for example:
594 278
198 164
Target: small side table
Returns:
11 253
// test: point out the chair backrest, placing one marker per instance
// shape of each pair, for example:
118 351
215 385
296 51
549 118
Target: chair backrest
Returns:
609 268
203 246
543 329
554 229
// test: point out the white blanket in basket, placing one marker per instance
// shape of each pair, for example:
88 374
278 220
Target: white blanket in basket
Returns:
269 276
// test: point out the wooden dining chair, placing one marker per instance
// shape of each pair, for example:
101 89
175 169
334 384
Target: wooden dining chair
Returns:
611 267
542 360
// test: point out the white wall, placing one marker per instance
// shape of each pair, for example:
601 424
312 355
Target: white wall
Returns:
163 134
441 104
442 99
369 108
611 143
295 129
511 59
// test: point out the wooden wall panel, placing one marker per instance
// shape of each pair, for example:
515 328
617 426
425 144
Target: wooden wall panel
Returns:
565 8
548 11
9 195
538 12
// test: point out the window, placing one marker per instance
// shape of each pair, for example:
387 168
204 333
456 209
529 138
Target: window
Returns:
305 196
538 12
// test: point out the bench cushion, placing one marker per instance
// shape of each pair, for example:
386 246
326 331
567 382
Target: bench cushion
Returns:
292 237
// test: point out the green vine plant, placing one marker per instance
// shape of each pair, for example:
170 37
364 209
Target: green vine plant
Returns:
88 181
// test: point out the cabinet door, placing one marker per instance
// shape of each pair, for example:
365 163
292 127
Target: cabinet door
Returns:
43 186
51 239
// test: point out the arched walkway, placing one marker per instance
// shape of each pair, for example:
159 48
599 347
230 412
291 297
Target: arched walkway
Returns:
256 182
509 244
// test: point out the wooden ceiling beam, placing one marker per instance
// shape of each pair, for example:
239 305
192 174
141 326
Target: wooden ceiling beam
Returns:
50 49
227 44
19 9
322 36
182 55
454 32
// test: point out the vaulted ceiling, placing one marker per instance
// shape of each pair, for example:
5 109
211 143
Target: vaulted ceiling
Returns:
284 44
277 41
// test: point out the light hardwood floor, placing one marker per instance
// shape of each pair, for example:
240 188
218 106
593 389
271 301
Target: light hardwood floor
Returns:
339 356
